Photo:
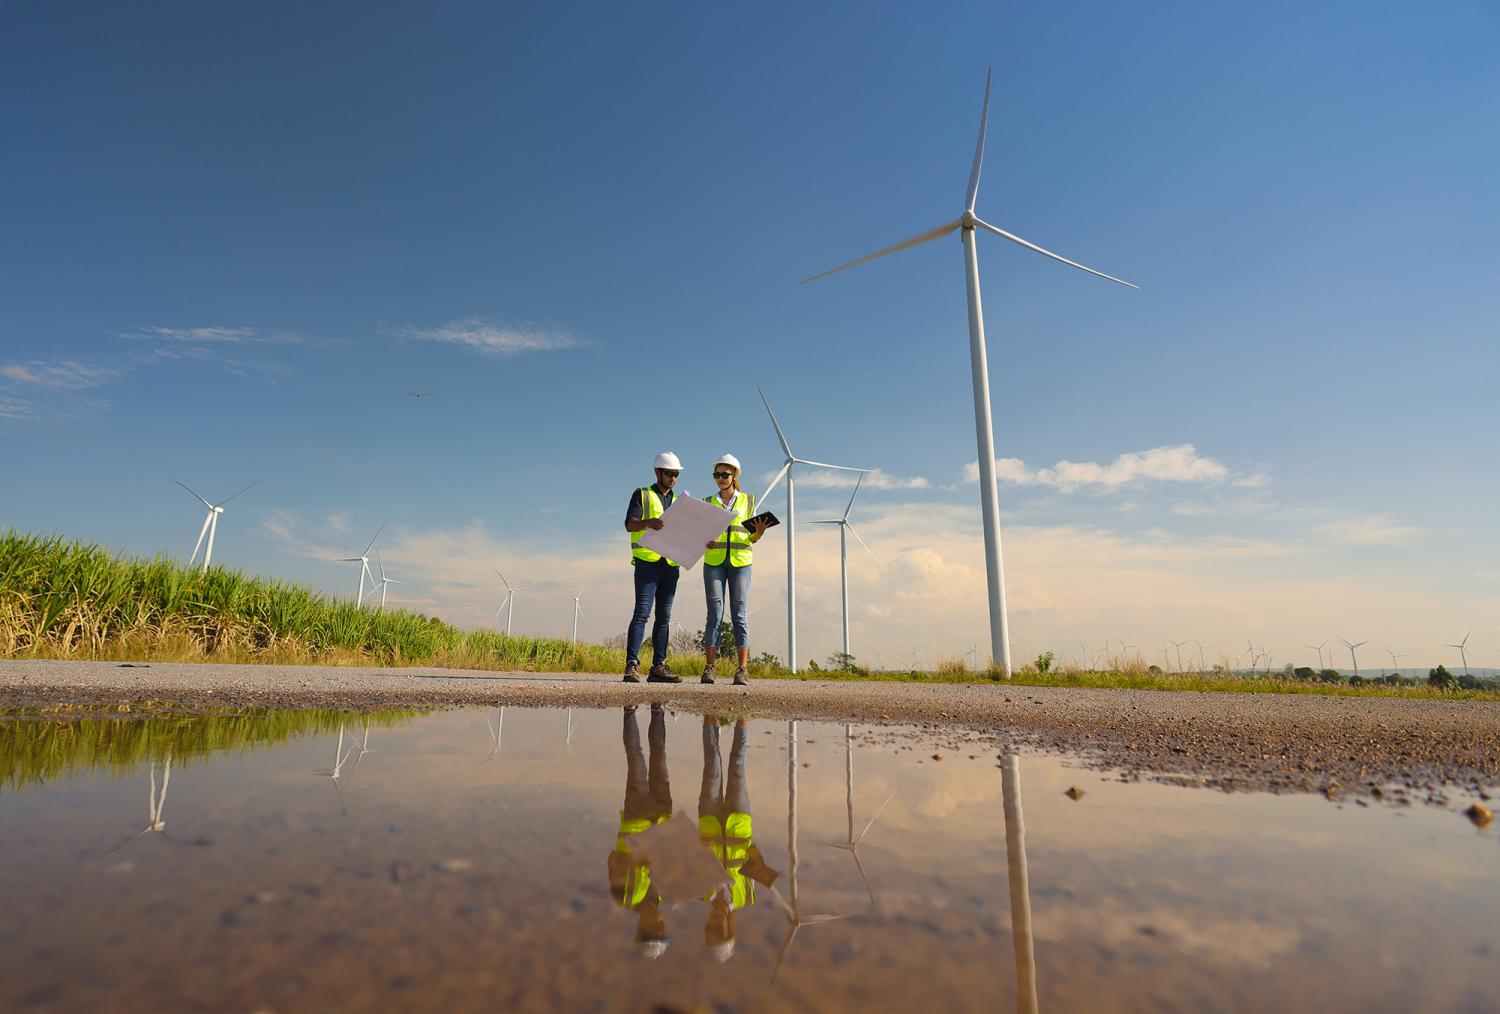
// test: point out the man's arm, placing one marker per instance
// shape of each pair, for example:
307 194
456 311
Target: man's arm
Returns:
633 520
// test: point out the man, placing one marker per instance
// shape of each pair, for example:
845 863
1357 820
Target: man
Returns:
655 575
648 802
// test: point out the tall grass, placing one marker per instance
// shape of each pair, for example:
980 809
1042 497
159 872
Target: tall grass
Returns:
63 599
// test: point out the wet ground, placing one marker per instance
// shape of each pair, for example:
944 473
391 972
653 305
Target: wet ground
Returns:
645 859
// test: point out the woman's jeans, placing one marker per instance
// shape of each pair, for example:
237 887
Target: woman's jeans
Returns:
738 580
655 584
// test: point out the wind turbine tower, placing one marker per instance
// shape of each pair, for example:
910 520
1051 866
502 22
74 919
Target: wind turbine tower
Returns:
1461 646
577 612
1352 657
210 523
363 559
791 528
845 530
1395 670
966 225
508 604
1319 649
1178 645
384 581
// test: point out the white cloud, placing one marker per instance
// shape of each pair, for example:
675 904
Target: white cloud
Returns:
339 522
14 408
823 478
1374 530
66 374
495 339
215 335
236 349
1179 463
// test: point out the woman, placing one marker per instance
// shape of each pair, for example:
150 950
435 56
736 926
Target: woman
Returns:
727 564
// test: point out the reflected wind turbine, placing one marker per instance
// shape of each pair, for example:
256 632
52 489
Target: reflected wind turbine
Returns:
210 523
791 527
966 224
845 530
854 842
1020 887
363 559
154 821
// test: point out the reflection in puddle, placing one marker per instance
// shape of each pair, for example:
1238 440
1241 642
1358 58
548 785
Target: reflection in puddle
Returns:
463 863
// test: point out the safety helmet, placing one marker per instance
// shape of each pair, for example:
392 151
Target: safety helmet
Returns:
666 459
653 948
730 460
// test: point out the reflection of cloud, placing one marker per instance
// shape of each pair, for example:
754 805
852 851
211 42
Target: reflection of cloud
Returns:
494 339
1225 940
1375 530
1181 463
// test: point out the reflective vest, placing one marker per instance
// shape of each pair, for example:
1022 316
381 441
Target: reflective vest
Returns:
730 842
735 535
651 507
638 878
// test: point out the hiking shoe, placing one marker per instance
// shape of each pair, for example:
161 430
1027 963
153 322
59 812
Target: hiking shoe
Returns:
707 677
661 674
741 677
632 672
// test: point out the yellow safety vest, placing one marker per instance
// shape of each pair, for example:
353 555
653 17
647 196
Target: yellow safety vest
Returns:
650 508
638 877
730 842
739 550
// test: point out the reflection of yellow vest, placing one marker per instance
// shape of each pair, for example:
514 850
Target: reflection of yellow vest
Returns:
743 506
650 508
638 877
731 844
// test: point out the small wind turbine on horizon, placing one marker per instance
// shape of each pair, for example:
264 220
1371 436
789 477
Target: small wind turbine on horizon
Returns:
1462 651
211 522
577 612
1178 645
384 581
1395 669
1319 649
791 527
1352 657
1202 667
363 559
845 530
966 224
507 604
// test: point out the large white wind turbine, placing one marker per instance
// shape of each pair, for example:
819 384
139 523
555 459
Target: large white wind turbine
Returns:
1352 657
791 528
508 604
845 530
210 523
363 559
979 367
1463 652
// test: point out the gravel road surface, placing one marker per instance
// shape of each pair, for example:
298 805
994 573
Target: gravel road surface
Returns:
1399 751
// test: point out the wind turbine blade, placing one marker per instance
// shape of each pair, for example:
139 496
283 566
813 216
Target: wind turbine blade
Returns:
862 543
830 521
853 495
347 559
372 541
503 581
245 490
1032 246
984 117
380 565
937 232
786 449
779 476
195 493
824 464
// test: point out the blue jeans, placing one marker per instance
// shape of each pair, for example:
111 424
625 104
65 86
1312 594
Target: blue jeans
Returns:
738 580
655 583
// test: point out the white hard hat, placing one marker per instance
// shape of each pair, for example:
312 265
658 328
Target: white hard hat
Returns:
722 951
653 948
666 459
728 459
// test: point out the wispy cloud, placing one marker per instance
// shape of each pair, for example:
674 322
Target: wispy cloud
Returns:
215 335
495 339
1374 530
236 349
14 408
1179 463
65 374
874 479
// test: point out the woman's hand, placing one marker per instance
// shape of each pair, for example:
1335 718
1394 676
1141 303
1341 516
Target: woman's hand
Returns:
710 545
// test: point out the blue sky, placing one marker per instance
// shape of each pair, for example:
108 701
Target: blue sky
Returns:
236 237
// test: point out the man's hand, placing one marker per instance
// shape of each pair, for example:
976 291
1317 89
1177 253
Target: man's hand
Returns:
655 524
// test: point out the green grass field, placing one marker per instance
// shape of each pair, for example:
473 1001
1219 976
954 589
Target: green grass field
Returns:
71 600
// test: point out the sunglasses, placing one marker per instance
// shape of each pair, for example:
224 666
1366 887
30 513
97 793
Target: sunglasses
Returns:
669 472
723 475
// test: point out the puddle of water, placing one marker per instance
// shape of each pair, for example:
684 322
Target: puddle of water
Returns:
495 859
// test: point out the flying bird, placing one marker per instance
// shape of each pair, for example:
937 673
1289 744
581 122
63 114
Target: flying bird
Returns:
419 394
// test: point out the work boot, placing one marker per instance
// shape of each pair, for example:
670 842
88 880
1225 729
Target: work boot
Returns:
661 674
707 677
741 677
632 671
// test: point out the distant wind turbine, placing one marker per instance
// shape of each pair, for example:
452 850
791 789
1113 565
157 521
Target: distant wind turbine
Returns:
384 581
1395 670
1178 645
508 604
846 529
211 522
577 612
791 528
1319 649
1462 651
1202 667
1352 657
966 224
363 559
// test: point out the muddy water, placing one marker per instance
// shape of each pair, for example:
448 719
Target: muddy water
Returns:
470 860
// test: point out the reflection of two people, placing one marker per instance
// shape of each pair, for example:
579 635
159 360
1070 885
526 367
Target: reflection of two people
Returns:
724 824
